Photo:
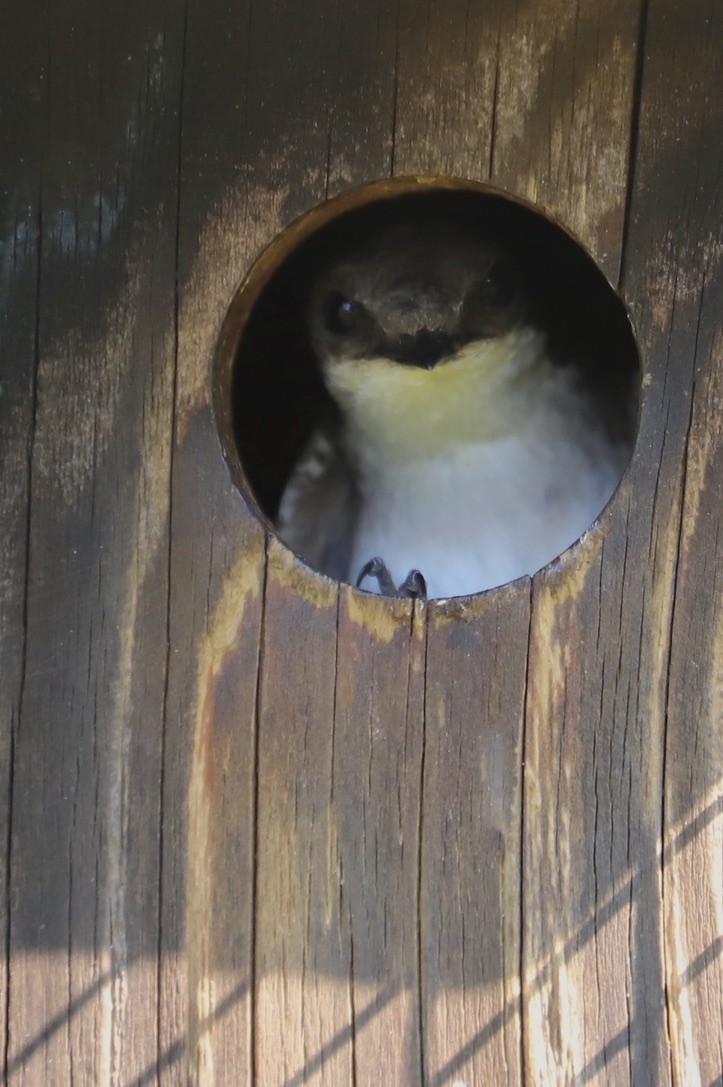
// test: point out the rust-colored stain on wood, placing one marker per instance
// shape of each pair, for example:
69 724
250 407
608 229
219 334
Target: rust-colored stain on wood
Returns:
260 829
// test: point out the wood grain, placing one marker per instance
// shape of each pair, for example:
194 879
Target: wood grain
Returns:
446 72
302 952
692 878
676 257
22 87
377 773
264 829
565 114
221 813
599 673
471 838
87 765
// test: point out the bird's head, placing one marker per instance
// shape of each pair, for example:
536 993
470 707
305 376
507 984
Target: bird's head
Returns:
415 330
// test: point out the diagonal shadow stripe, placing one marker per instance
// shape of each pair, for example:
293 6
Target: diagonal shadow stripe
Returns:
584 934
58 1022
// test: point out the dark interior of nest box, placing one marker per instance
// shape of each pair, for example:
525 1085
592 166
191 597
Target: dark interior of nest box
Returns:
277 393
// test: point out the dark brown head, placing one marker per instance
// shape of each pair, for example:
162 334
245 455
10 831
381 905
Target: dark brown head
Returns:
416 295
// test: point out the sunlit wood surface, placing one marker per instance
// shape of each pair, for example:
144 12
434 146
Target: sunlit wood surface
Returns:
261 830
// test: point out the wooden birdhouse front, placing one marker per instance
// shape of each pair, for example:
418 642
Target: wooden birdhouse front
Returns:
262 828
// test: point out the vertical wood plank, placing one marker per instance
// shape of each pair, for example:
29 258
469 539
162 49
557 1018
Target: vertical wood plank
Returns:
596 924
446 87
591 949
302 949
217 557
378 750
84 926
564 114
471 824
23 90
675 280
362 81
693 796
222 796
207 889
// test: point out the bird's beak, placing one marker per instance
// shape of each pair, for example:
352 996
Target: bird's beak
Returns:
424 348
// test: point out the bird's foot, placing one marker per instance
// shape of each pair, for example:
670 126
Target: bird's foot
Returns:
414 587
378 568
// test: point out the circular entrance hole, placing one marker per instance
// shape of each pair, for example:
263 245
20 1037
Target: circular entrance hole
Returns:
429 373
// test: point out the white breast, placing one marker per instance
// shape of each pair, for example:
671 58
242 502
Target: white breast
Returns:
489 512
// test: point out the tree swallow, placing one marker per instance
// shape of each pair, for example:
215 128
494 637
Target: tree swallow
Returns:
465 453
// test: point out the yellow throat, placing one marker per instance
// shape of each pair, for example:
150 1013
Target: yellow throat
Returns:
407 412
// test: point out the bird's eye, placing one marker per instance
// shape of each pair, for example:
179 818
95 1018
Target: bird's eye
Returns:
501 283
341 314
494 302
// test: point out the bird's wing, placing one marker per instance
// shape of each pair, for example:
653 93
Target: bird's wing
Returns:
319 507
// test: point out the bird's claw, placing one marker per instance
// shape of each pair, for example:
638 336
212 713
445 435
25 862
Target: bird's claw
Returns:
414 587
377 568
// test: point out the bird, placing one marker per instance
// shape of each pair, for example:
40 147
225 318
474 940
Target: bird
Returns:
465 451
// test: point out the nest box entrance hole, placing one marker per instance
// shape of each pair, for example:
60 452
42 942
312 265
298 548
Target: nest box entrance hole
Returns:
271 390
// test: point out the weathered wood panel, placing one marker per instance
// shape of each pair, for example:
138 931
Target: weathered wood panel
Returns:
84 884
24 89
566 113
600 769
675 280
302 955
471 832
216 978
377 780
288 833
445 78
216 598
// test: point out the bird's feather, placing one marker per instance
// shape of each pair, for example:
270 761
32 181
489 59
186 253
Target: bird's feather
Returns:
320 507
